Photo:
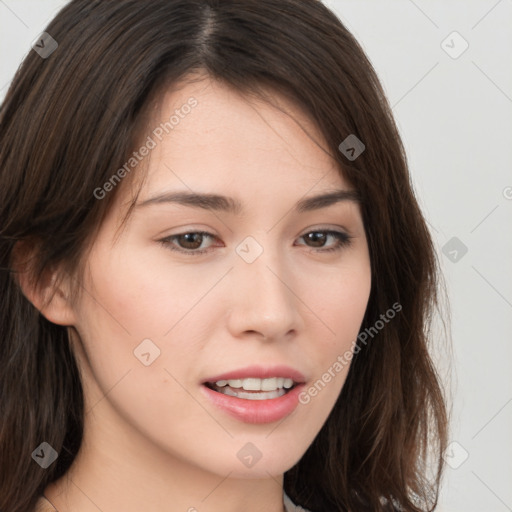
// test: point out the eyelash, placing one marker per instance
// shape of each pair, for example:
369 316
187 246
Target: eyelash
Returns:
343 241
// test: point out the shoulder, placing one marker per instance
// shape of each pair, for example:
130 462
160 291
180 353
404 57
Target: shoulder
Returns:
43 505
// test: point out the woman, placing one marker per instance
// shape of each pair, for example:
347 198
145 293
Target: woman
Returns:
216 279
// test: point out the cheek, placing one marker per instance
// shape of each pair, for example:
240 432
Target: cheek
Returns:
340 303
339 308
124 316
136 312
139 298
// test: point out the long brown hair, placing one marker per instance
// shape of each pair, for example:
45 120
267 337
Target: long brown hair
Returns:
73 116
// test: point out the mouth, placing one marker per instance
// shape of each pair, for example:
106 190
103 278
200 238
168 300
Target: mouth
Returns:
253 388
256 394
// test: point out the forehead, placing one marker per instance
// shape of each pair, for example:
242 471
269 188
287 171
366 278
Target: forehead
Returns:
232 134
207 137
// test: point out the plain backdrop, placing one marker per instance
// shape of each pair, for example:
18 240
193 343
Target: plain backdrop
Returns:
445 67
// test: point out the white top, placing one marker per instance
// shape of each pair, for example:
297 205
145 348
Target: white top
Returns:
290 506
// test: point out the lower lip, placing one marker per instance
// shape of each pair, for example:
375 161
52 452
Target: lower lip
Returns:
256 411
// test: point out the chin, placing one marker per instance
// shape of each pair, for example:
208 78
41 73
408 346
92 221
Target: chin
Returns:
272 461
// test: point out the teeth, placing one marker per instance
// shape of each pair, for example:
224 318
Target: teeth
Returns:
254 384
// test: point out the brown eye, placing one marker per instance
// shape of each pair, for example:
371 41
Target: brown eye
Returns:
190 240
319 237
188 243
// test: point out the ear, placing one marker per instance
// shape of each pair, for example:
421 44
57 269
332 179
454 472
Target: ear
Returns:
51 294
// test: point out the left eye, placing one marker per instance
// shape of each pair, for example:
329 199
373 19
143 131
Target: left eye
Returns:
193 240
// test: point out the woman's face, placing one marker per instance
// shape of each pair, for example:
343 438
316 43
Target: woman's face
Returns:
268 292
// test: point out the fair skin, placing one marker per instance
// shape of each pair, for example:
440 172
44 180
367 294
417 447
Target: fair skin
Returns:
153 440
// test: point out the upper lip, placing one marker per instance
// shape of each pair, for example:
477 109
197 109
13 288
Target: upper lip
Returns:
260 372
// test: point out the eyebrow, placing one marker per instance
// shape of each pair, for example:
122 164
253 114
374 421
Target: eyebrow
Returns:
216 202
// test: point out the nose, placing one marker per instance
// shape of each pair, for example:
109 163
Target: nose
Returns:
263 299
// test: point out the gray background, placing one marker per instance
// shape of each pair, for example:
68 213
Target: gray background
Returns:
454 115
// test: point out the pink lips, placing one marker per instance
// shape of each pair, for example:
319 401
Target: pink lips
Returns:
257 411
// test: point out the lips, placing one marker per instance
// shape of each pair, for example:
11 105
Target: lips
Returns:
244 405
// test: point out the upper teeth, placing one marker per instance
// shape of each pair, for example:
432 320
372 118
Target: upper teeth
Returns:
253 384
